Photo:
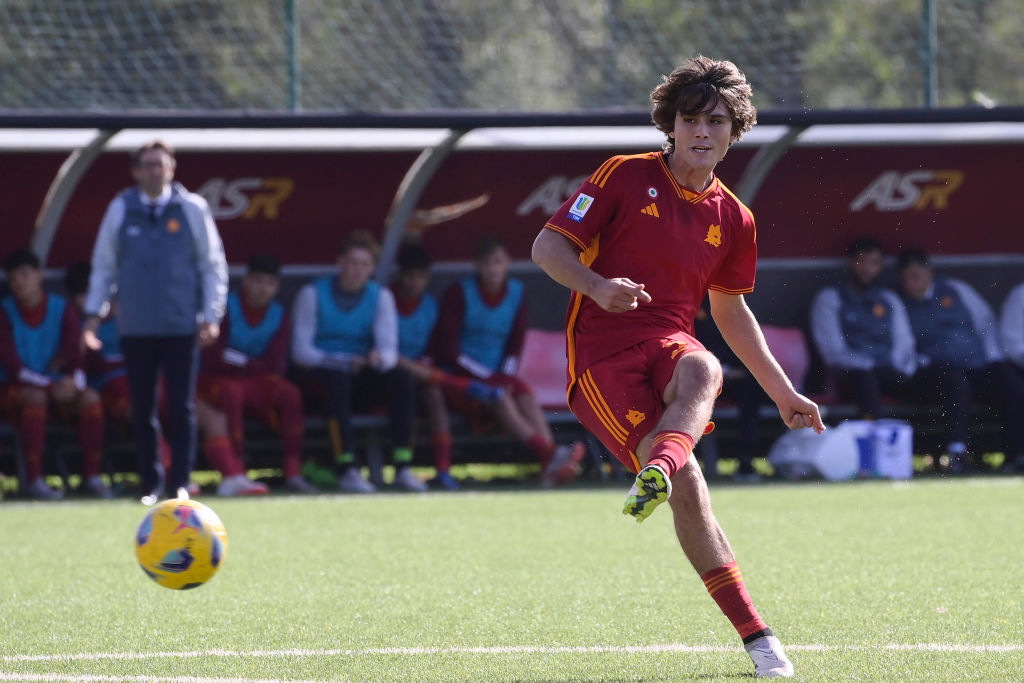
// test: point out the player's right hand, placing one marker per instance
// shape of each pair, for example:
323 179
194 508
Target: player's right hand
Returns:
620 294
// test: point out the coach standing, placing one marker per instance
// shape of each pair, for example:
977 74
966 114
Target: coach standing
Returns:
159 250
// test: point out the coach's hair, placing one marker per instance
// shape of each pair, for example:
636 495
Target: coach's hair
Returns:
360 239
149 146
697 86
912 256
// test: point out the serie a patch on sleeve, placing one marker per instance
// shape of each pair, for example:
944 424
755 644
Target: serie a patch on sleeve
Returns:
580 207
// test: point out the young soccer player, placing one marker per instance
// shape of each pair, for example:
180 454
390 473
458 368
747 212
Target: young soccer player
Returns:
640 243
345 342
417 318
243 373
480 335
42 375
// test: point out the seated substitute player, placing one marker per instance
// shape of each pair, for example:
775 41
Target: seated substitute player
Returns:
41 368
640 244
480 334
862 332
959 358
242 373
417 319
345 342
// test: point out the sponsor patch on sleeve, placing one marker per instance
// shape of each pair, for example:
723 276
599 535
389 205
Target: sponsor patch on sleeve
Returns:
580 207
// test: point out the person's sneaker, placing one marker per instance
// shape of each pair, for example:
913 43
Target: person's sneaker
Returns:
149 499
564 465
405 479
651 488
353 482
192 489
97 488
445 480
39 490
298 484
316 475
769 658
241 485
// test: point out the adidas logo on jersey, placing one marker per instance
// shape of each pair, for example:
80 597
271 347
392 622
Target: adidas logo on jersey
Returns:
651 210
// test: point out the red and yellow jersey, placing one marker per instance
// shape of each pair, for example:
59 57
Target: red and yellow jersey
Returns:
632 219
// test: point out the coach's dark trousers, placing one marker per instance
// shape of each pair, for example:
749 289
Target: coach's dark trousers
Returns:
176 358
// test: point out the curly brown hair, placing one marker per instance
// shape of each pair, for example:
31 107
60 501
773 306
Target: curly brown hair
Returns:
697 86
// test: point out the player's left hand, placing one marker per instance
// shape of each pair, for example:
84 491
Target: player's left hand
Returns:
799 412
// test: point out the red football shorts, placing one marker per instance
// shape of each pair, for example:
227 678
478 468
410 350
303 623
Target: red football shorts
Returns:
619 398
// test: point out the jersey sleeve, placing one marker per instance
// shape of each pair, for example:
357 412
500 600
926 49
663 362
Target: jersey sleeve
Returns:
736 273
590 208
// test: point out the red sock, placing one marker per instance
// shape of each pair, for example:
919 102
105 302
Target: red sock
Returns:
90 439
221 456
32 432
670 451
543 448
725 585
442 451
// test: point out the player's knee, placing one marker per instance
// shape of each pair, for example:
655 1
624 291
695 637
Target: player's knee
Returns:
701 369
32 396
89 398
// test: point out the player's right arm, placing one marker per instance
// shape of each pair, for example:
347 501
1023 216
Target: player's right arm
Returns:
558 257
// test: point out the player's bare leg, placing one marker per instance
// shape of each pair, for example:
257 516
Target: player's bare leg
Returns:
689 400
532 413
510 417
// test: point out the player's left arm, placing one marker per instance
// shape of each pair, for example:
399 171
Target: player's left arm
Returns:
741 332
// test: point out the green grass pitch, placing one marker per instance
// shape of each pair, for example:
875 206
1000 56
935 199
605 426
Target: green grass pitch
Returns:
866 581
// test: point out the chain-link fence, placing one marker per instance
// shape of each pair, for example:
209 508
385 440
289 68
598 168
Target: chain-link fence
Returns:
515 55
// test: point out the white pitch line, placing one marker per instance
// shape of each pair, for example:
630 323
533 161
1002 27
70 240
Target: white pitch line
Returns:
90 678
498 650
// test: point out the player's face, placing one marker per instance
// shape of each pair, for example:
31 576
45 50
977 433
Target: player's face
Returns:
154 171
915 280
412 283
26 284
866 266
357 266
703 139
493 269
259 289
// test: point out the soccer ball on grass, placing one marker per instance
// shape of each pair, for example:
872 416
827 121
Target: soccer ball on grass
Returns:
181 544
